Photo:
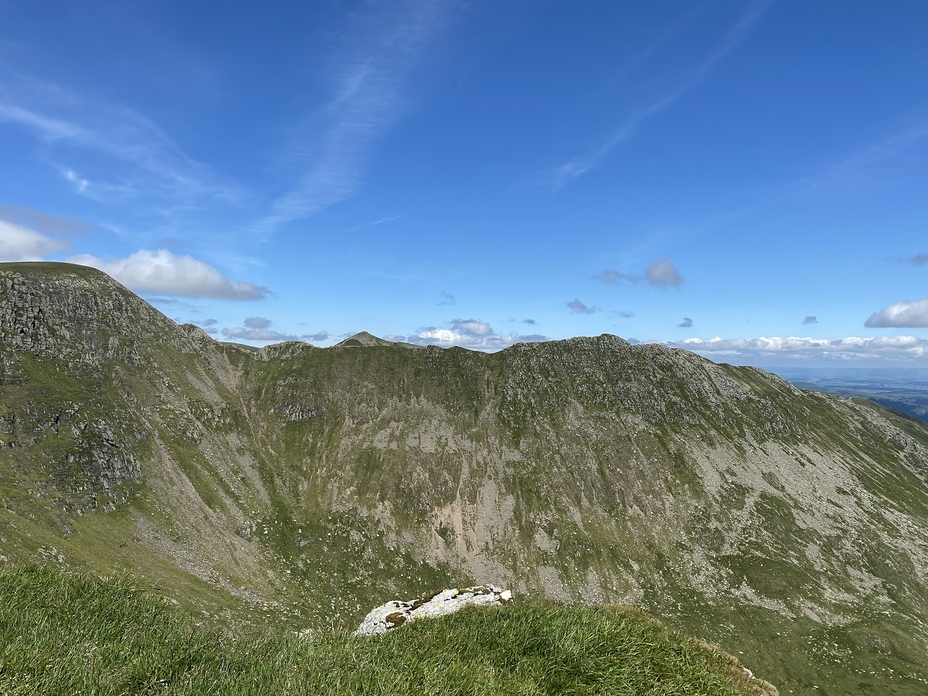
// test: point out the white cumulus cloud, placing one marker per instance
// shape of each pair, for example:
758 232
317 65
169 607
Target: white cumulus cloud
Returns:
19 243
257 329
901 314
472 334
165 273
471 327
248 334
257 322
317 337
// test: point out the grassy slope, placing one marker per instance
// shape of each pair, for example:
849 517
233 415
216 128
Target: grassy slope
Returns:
66 633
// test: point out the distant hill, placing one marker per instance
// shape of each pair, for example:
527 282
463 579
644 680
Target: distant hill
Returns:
301 486
905 390
366 340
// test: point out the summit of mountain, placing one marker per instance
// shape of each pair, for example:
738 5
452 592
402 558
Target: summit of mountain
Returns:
363 339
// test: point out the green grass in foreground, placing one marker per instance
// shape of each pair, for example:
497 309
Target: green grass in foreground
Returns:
64 633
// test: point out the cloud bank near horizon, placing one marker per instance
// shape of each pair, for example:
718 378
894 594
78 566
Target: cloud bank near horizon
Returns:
890 348
473 334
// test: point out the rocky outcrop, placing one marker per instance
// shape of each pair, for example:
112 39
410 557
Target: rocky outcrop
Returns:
78 316
396 613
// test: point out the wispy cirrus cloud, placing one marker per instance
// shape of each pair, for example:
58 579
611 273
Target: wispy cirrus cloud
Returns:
671 33
632 120
378 51
106 150
860 161
48 128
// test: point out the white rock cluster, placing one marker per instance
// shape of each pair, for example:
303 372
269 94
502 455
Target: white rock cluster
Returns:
396 613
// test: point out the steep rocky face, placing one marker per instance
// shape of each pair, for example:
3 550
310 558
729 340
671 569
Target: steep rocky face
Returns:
787 525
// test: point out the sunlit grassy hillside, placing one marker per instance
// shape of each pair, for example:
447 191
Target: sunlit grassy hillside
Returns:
65 633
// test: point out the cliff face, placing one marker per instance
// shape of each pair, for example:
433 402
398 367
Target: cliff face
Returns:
785 524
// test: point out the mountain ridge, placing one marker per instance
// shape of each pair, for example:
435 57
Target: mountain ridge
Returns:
589 470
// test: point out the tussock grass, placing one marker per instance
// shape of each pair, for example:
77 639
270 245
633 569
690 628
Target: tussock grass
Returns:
66 633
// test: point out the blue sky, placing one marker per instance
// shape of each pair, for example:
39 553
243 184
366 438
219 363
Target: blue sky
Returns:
745 178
